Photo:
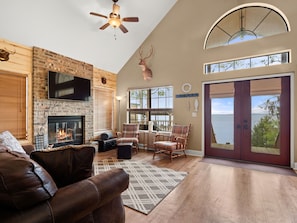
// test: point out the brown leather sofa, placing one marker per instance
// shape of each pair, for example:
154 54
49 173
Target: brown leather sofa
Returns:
58 186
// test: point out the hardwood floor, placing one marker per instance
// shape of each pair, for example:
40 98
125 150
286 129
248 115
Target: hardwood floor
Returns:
219 194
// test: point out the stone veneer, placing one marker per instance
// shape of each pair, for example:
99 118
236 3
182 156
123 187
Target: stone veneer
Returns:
43 61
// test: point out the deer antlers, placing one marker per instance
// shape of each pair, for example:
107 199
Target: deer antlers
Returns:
141 53
4 54
146 72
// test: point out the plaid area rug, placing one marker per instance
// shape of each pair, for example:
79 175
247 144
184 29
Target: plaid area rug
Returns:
148 186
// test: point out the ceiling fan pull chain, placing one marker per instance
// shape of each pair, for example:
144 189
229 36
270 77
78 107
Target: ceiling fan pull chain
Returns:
115 34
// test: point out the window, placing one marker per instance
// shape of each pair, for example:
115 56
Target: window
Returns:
247 63
152 104
246 23
103 109
13 99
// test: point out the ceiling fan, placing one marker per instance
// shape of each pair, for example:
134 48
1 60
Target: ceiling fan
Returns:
114 18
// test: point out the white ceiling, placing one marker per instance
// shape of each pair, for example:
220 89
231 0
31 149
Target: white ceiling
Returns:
67 28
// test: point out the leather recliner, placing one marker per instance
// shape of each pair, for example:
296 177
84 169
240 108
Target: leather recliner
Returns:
29 193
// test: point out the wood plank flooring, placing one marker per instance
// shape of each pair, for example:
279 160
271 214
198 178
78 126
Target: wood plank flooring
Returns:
219 194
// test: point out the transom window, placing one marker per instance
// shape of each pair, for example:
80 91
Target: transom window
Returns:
247 63
152 104
246 23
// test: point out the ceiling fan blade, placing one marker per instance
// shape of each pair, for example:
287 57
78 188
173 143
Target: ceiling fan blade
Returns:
97 14
131 19
123 28
104 26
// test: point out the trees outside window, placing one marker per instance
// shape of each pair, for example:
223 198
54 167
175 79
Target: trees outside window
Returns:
265 133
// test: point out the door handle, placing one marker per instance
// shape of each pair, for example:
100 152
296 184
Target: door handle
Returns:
245 124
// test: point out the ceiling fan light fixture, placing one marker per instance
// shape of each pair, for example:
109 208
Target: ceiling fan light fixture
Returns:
114 18
114 21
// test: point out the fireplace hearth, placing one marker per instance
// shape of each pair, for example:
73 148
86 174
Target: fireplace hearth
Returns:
65 130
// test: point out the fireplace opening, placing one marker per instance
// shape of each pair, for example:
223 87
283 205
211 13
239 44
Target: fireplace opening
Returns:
65 130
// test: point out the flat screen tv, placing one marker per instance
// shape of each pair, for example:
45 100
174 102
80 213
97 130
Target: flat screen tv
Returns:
68 87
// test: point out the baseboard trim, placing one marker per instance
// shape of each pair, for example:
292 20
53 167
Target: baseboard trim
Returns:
194 153
188 152
295 166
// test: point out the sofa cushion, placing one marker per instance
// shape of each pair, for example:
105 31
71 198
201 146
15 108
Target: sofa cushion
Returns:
67 164
9 141
23 182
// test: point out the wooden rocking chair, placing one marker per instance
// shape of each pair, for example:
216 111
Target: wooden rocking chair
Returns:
176 142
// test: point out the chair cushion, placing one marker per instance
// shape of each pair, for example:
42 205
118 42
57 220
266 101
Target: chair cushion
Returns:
67 164
23 182
167 145
10 142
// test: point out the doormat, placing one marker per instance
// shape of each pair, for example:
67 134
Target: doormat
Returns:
148 184
245 165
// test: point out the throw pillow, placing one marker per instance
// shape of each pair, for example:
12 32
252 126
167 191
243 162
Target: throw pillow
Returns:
67 164
106 135
8 140
23 182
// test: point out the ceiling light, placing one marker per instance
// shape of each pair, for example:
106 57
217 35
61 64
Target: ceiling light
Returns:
114 21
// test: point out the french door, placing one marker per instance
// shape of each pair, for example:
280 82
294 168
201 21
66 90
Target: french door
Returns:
249 120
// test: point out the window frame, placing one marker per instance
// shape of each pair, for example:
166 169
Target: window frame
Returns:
226 16
284 53
103 103
147 110
17 105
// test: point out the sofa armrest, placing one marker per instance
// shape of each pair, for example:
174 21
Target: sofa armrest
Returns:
76 201
111 182
88 195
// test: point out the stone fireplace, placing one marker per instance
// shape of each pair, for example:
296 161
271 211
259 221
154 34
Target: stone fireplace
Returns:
65 130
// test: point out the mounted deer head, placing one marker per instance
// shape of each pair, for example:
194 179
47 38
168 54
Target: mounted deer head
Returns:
4 54
146 72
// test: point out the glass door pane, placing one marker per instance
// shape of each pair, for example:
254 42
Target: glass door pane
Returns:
222 116
265 116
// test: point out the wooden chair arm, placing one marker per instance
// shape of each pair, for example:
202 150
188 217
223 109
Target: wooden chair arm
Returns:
119 134
181 142
157 137
162 137
181 139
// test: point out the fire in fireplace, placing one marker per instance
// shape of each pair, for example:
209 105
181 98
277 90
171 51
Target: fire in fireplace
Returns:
64 130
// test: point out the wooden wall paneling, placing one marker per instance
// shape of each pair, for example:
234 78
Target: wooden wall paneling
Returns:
20 64
101 90
111 79
20 61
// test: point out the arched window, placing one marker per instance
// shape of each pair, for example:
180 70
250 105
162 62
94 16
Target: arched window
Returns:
246 22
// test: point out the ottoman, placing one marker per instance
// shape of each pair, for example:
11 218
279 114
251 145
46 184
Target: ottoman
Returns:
125 150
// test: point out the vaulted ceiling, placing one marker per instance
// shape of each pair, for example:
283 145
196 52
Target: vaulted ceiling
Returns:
67 28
